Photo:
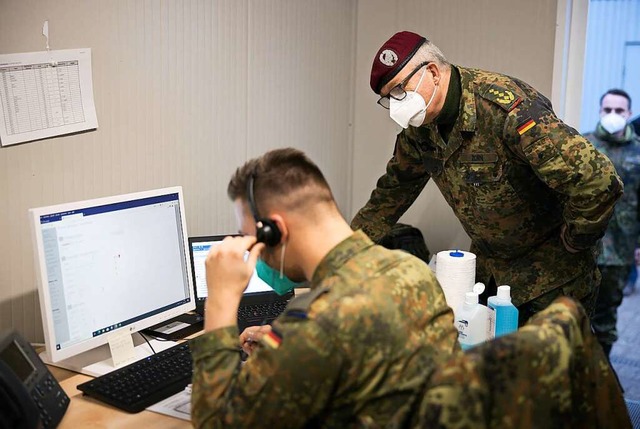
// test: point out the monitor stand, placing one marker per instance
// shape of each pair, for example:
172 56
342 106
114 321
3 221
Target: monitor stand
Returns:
97 362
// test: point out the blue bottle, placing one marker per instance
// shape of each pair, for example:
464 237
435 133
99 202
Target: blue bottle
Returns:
503 315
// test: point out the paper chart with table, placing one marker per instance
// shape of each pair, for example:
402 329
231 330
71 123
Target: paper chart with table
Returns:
45 94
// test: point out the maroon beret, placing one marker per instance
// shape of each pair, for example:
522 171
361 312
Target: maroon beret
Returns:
392 57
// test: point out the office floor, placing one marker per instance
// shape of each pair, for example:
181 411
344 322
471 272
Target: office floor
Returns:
624 354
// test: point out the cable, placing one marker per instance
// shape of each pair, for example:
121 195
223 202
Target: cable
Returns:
145 338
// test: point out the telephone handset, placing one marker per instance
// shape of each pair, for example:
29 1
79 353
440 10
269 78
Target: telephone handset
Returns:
31 397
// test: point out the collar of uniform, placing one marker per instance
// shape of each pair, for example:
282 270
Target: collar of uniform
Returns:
467 115
339 255
627 137
451 108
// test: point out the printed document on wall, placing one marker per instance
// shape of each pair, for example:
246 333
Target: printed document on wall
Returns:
45 94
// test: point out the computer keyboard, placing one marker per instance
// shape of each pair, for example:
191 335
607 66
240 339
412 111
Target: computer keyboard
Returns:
145 382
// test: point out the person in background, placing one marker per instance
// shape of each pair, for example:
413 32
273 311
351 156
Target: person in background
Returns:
630 287
615 138
534 196
353 352
635 123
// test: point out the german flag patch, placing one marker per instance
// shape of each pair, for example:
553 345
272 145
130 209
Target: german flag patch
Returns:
526 126
272 339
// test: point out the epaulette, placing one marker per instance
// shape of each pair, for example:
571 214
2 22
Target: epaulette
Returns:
299 306
501 96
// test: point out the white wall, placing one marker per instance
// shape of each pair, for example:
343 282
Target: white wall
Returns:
515 37
185 91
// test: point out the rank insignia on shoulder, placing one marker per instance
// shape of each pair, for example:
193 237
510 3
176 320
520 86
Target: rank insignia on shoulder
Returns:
272 339
526 126
503 97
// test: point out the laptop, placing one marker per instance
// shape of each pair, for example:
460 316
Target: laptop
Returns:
260 305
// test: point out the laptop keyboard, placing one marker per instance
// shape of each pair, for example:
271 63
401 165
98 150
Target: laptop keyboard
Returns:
264 312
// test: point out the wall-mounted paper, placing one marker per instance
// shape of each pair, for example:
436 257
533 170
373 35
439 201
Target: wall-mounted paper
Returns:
45 94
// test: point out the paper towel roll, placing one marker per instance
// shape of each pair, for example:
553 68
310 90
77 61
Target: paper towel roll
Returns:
456 272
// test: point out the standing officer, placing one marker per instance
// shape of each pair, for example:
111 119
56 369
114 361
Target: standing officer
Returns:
353 352
533 195
616 138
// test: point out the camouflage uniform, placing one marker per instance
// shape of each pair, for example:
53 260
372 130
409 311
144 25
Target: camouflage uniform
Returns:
514 174
621 237
550 374
354 351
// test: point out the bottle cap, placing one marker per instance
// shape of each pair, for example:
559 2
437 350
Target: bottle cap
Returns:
470 298
504 293
456 254
478 288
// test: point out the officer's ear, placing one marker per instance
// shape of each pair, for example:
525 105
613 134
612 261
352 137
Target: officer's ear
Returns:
435 72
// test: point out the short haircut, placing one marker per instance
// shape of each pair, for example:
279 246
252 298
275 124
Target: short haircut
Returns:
429 52
278 177
616 91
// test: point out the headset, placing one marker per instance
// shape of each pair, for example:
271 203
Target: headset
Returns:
267 231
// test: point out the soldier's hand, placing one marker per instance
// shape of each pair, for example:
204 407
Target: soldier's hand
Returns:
227 271
228 275
250 336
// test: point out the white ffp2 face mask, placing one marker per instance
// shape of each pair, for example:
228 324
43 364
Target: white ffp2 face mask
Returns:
612 122
412 109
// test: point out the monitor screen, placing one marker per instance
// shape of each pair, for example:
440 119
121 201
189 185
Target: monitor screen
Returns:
200 247
108 264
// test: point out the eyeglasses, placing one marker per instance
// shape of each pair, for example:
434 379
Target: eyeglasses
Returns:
398 92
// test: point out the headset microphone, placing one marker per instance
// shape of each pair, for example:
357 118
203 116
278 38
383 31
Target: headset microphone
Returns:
267 231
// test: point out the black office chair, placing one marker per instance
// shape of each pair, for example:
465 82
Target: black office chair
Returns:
407 238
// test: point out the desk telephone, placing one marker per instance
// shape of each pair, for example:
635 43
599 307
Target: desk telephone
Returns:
29 395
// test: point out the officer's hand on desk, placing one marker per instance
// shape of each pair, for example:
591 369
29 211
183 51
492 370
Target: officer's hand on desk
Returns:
251 335
227 277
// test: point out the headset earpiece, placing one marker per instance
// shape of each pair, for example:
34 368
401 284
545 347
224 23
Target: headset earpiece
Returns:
267 231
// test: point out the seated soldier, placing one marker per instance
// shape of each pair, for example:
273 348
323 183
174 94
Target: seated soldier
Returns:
354 351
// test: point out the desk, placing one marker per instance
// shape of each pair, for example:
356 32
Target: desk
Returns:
86 412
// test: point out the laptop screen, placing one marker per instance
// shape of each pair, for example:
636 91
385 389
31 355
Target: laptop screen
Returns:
199 248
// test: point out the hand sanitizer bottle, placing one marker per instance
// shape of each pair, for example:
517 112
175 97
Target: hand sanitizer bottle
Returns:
503 315
471 319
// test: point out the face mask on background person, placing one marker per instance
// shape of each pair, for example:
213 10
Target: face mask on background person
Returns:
412 109
280 283
612 122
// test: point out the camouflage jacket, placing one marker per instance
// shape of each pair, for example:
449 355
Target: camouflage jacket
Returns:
353 352
513 174
621 238
552 373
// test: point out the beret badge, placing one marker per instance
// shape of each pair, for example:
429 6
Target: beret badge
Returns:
388 57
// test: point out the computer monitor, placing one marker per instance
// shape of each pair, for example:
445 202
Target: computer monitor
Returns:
106 265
